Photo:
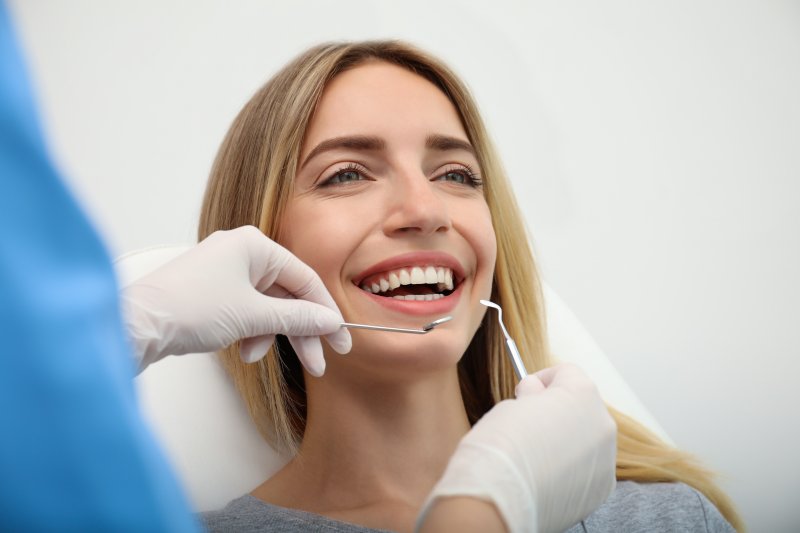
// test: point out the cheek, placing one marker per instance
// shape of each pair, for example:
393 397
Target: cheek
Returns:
490 249
298 231
483 241
317 237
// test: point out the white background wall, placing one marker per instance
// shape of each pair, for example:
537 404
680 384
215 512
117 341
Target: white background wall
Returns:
654 146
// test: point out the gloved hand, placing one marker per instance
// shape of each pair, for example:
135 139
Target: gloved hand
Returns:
546 460
235 284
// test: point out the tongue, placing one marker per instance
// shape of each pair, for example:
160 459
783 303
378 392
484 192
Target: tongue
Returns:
404 290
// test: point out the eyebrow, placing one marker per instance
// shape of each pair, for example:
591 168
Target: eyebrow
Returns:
361 143
364 143
444 143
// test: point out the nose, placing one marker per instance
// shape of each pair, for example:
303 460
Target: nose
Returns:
415 206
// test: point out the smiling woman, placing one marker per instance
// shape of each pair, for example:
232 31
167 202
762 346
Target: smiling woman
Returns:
370 162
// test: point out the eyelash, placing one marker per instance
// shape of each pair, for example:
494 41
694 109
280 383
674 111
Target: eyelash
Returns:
350 167
473 179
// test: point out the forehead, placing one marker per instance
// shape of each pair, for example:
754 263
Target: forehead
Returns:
383 100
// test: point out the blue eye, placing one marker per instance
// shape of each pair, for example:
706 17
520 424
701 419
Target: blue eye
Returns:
344 177
457 177
349 174
462 176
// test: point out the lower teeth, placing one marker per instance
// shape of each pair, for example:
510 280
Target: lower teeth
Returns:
419 297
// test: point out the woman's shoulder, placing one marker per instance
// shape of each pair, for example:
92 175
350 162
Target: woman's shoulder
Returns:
248 513
655 507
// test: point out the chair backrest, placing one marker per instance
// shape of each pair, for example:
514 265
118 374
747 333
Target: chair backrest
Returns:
218 454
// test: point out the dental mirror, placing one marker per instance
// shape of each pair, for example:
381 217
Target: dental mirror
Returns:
423 330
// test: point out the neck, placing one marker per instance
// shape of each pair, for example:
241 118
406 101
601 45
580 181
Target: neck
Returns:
369 442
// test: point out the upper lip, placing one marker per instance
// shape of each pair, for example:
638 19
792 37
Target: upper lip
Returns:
412 259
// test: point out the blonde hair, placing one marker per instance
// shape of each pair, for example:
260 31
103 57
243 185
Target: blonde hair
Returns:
251 182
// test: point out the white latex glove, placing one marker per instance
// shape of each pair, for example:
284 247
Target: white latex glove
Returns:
546 460
234 285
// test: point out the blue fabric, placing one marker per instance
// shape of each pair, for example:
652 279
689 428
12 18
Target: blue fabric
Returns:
75 454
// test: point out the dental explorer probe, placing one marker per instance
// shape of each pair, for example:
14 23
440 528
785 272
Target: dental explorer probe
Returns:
511 346
422 331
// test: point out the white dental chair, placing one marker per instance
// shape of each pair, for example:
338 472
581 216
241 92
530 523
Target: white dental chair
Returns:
207 434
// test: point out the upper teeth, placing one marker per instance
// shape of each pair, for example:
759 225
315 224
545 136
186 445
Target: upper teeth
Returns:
442 276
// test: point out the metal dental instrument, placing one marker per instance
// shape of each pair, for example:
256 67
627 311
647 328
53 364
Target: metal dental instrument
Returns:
511 346
422 331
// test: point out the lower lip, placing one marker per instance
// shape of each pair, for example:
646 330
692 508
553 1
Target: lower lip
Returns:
415 307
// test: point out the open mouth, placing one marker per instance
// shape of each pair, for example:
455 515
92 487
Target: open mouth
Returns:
419 283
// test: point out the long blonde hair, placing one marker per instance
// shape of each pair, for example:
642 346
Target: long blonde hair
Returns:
251 182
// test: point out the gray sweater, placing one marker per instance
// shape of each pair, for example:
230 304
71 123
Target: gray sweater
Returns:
633 507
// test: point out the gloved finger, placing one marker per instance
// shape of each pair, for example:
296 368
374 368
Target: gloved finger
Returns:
546 375
340 343
572 379
253 349
309 351
305 319
531 384
271 264
276 291
561 373
287 316
314 291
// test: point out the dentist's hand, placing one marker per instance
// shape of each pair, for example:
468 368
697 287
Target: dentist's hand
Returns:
234 285
545 460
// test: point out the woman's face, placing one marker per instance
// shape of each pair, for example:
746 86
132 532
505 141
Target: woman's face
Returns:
389 210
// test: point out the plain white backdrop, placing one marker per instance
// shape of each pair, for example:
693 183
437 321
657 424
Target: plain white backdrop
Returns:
654 147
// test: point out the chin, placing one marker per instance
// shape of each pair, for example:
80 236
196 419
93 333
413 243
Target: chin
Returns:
403 354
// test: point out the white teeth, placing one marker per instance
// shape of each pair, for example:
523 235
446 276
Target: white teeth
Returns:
441 277
430 275
417 276
419 297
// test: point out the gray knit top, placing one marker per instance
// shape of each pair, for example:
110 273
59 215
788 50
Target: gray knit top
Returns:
633 507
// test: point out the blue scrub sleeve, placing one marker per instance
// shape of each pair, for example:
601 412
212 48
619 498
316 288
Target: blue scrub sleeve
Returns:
75 454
